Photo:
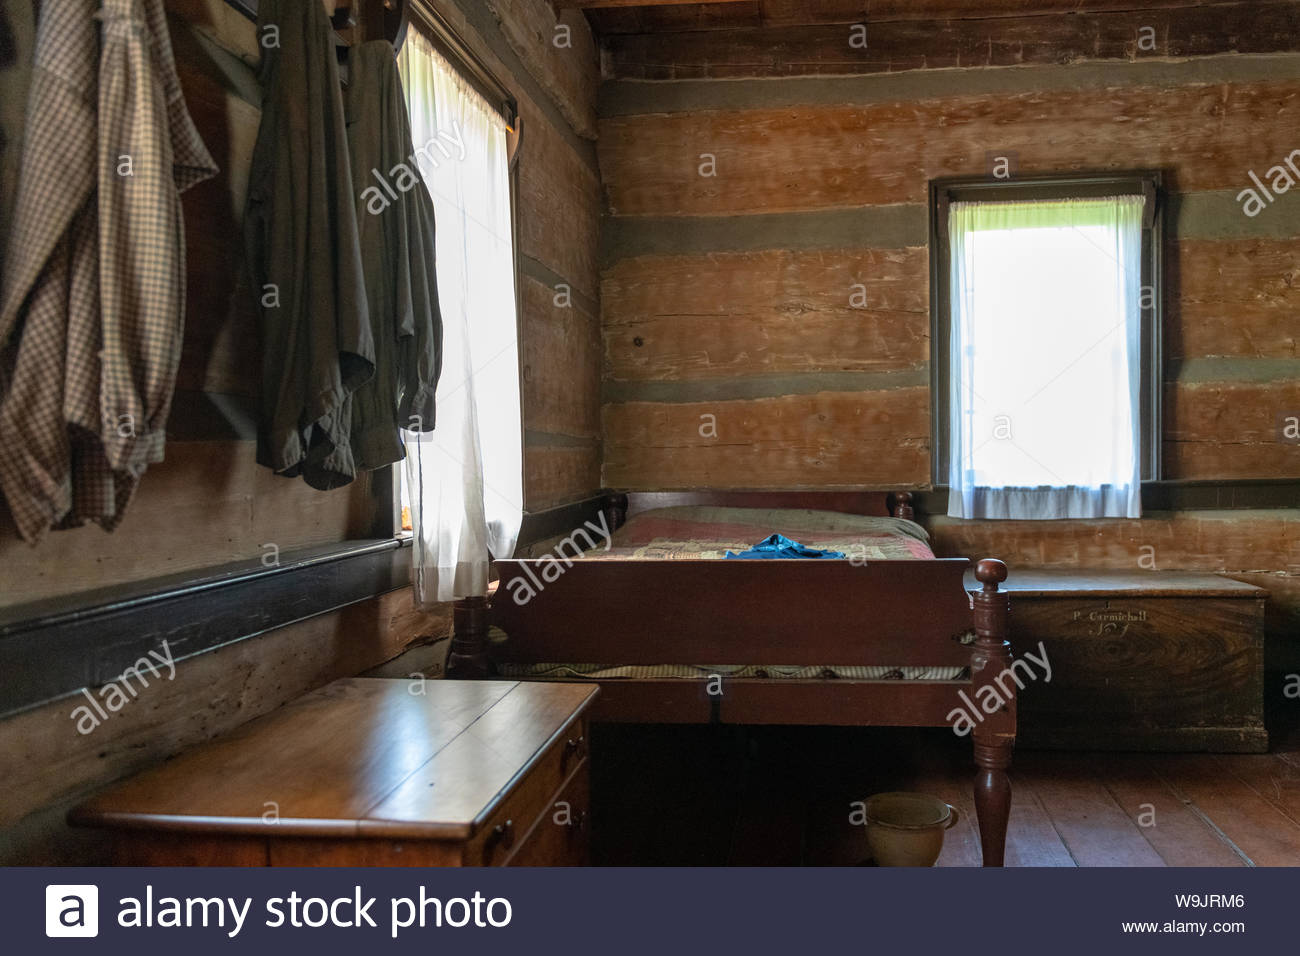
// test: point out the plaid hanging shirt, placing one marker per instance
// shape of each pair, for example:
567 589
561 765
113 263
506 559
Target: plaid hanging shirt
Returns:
92 307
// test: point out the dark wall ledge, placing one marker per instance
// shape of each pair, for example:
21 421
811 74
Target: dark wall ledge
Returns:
52 648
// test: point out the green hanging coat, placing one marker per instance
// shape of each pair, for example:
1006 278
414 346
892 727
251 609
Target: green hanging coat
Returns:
395 220
304 253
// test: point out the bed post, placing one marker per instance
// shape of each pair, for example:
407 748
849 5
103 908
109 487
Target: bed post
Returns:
468 658
615 505
903 505
995 737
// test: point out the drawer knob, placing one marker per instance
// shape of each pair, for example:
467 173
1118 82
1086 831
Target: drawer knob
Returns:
572 749
504 833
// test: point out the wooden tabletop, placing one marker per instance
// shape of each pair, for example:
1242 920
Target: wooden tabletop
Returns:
1030 582
360 757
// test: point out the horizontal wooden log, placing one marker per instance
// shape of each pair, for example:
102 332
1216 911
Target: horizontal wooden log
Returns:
633 97
1231 430
1210 216
639 16
727 326
822 440
1281 624
824 156
871 503
1234 297
859 46
559 203
556 473
1206 461
208 503
942 9
871 227
815 430
708 315
1232 541
559 52
682 317
561 363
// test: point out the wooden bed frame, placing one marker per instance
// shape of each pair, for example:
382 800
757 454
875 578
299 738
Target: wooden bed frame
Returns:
646 611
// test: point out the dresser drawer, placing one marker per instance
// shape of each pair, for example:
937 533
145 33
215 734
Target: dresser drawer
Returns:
506 828
561 835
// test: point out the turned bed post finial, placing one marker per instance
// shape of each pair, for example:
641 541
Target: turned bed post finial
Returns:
903 505
615 506
995 737
468 656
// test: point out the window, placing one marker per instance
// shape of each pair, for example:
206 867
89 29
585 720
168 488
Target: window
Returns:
1045 362
463 482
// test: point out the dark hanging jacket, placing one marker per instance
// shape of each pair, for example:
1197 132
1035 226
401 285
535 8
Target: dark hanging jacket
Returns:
395 219
305 259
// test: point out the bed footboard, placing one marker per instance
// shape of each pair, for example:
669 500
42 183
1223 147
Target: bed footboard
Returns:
646 611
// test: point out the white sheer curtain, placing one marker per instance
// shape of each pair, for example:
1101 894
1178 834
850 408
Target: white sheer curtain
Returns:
464 480
1045 358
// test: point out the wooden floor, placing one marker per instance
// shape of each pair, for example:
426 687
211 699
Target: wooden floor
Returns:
784 796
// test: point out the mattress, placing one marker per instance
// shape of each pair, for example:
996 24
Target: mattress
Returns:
708 533
704 533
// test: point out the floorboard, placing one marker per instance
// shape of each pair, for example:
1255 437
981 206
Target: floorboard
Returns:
1265 834
1032 839
1179 832
1276 780
1093 827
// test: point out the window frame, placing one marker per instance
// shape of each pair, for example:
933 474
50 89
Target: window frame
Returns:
945 190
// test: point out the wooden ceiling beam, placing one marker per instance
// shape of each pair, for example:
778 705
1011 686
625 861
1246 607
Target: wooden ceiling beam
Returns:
611 4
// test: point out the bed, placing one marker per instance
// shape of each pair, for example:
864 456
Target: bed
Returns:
675 632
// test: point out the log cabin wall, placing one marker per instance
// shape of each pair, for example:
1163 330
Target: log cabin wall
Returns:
552 66
210 503
765 273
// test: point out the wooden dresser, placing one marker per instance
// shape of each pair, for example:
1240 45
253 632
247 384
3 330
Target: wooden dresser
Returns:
371 772
1142 660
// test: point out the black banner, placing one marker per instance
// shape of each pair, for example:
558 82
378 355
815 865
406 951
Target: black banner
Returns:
665 912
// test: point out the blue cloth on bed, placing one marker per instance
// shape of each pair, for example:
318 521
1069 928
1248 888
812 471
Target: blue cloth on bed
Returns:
779 546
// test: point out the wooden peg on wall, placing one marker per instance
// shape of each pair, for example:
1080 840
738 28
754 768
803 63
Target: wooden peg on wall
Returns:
342 15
